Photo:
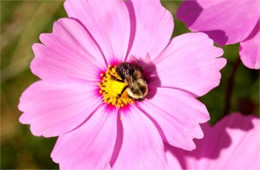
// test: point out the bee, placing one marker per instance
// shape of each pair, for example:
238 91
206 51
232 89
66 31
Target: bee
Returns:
131 74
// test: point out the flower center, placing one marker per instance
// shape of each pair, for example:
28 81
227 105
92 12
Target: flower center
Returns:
113 88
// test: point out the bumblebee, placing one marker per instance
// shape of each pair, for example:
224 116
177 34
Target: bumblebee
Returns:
131 74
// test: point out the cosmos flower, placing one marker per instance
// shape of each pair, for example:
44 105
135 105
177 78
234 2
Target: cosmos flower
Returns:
105 119
232 143
227 22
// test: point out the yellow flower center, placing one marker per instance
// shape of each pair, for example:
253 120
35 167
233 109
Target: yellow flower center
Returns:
111 89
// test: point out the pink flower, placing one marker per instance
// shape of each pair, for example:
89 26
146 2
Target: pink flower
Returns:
83 100
227 22
233 143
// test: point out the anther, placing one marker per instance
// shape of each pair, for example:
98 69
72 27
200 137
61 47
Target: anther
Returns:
112 88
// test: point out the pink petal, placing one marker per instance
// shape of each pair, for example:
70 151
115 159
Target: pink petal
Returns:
151 27
233 143
53 110
227 22
249 49
91 145
191 63
172 162
142 146
69 53
107 21
178 115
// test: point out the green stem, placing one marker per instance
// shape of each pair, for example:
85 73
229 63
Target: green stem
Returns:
229 88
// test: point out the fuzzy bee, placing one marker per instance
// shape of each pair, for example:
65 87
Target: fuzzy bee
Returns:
131 74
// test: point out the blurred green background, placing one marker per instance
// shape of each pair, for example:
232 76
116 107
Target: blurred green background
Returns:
21 23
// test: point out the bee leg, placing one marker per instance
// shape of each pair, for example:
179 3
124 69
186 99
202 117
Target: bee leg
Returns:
116 79
122 92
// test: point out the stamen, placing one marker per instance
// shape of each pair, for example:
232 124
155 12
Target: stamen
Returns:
111 89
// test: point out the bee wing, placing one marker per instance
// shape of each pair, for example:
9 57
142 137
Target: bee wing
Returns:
147 58
133 59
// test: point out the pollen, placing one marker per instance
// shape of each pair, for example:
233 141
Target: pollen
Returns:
111 88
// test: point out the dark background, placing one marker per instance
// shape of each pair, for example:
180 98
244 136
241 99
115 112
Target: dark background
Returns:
21 23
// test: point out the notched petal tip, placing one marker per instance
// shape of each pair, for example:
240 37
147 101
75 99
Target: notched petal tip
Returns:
202 59
22 120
